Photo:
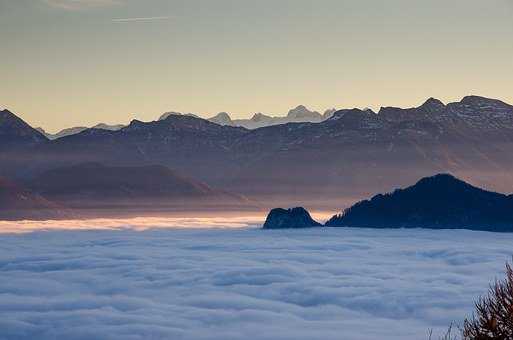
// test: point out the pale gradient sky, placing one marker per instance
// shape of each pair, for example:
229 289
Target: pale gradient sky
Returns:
79 62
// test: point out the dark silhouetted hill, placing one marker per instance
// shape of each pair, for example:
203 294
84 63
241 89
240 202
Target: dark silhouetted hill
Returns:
289 218
441 201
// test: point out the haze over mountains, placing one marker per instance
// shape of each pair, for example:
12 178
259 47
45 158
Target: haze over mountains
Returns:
94 184
17 202
78 129
107 190
350 155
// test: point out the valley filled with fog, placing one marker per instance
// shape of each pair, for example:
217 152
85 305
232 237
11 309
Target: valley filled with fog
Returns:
195 278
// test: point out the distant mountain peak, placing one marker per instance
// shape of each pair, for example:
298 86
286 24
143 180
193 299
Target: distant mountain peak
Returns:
474 100
176 117
223 115
440 179
6 112
258 117
329 113
13 129
302 111
433 105
349 114
6 115
166 115
135 124
222 118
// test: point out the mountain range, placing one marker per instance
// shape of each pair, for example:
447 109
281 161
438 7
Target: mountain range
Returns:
299 114
322 164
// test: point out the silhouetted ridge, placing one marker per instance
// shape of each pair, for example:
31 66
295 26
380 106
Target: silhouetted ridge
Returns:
433 105
289 218
479 101
441 201
78 129
172 113
181 121
16 132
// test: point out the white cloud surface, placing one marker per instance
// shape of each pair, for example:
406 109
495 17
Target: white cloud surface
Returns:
242 283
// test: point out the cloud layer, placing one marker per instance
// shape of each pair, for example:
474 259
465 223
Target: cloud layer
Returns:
242 283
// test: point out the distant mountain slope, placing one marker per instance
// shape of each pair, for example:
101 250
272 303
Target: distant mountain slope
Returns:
110 127
302 114
18 142
94 183
78 129
258 120
190 145
441 201
14 132
166 115
17 202
222 118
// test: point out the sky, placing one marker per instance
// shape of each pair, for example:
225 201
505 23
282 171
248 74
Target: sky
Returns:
80 62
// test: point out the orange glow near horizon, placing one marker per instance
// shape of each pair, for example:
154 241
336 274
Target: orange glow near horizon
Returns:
143 223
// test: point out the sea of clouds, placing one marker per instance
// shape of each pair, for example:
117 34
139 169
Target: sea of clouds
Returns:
242 283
